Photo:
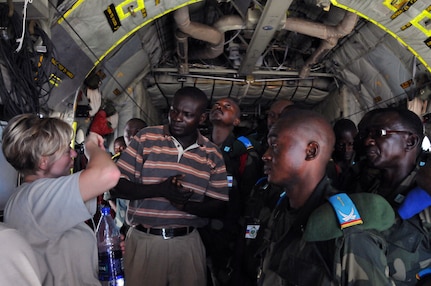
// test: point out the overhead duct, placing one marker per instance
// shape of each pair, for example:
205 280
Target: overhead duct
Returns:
196 30
224 24
329 34
182 52
214 36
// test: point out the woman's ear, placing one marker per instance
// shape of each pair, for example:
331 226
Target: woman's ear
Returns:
312 151
43 163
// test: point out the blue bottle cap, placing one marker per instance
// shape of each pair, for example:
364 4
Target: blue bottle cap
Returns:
105 210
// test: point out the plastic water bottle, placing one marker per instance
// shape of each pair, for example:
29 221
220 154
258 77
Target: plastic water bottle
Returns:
111 271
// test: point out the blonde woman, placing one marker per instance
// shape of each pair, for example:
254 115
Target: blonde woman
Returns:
51 206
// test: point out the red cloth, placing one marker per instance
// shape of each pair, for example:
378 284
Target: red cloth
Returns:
100 124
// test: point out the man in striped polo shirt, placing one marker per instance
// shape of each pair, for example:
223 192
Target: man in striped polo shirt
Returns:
176 179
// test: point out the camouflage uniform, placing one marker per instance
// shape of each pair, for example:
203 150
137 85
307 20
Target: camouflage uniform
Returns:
355 257
259 207
409 248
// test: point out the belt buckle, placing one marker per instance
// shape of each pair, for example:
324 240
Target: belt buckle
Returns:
165 234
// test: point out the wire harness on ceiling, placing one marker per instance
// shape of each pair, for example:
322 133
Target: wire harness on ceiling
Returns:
25 68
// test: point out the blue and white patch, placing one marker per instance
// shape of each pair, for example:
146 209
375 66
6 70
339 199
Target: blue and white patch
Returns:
345 210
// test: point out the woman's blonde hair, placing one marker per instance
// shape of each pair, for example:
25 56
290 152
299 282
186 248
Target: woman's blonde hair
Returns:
28 137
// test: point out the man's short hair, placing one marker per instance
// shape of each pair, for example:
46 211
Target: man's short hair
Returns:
120 140
343 125
27 138
315 123
136 123
194 93
406 117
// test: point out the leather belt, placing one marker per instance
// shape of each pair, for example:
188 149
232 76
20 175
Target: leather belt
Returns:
166 232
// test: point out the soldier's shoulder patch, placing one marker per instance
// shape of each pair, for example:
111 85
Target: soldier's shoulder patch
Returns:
345 210
376 213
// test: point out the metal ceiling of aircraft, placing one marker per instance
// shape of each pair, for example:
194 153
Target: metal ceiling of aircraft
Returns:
313 54
272 78
85 32
272 14
407 20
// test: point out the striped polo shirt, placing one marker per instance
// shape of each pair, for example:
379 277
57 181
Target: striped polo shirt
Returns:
153 156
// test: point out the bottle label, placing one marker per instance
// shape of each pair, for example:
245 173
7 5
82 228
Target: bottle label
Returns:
111 266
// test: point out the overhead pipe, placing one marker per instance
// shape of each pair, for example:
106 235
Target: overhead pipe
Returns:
255 73
196 30
224 24
182 52
329 34
214 36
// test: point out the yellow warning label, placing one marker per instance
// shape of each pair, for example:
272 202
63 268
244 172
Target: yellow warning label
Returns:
406 84
405 8
112 17
62 68
398 3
